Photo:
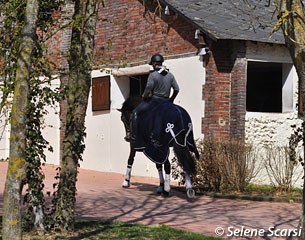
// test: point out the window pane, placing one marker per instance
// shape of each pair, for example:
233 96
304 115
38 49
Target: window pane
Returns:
264 87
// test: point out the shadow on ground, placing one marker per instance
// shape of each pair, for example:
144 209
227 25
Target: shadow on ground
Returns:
101 197
140 204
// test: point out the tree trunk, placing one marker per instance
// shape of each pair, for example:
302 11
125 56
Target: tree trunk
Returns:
79 83
294 32
17 164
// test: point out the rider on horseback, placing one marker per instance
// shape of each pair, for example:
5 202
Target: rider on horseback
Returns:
158 88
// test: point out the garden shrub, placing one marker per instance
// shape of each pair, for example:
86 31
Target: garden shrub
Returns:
281 164
223 166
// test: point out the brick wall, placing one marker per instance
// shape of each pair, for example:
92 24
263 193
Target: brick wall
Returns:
126 33
224 91
238 92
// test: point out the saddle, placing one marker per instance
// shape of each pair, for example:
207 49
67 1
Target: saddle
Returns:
159 127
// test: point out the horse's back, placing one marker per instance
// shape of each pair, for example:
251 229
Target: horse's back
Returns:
160 126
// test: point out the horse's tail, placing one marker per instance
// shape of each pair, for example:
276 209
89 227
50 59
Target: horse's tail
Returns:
184 156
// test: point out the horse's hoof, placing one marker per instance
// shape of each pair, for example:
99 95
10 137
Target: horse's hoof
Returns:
190 193
159 190
126 184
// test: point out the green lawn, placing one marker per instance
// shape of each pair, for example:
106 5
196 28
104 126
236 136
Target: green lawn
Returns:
120 231
257 192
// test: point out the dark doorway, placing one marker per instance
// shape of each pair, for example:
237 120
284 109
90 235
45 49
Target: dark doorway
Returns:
137 84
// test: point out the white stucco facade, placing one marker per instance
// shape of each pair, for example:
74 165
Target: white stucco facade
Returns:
5 133
274 129
50 130
264 128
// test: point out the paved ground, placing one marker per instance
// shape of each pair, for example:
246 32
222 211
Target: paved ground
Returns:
100 196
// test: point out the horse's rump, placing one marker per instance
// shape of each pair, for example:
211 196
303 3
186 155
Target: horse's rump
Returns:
160 126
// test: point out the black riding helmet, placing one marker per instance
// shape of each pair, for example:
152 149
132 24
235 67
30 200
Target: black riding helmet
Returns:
156 58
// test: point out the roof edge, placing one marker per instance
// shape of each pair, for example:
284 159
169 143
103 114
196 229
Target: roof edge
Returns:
210 35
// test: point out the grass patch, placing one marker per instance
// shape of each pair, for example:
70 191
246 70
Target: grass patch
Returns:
267 190
120 231
259 192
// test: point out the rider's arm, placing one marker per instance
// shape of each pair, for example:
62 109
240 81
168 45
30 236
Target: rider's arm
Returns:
174 95
149 87
176 90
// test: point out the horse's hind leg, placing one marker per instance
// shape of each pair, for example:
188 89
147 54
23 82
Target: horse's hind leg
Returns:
126 182
167 169
161 178
188 185
187 162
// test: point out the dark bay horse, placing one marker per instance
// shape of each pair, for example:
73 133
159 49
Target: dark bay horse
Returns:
176 131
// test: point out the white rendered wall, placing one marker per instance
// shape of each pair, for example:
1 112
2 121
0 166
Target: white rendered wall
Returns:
106 149
262 128
50 131
4 132
273 128
190 75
